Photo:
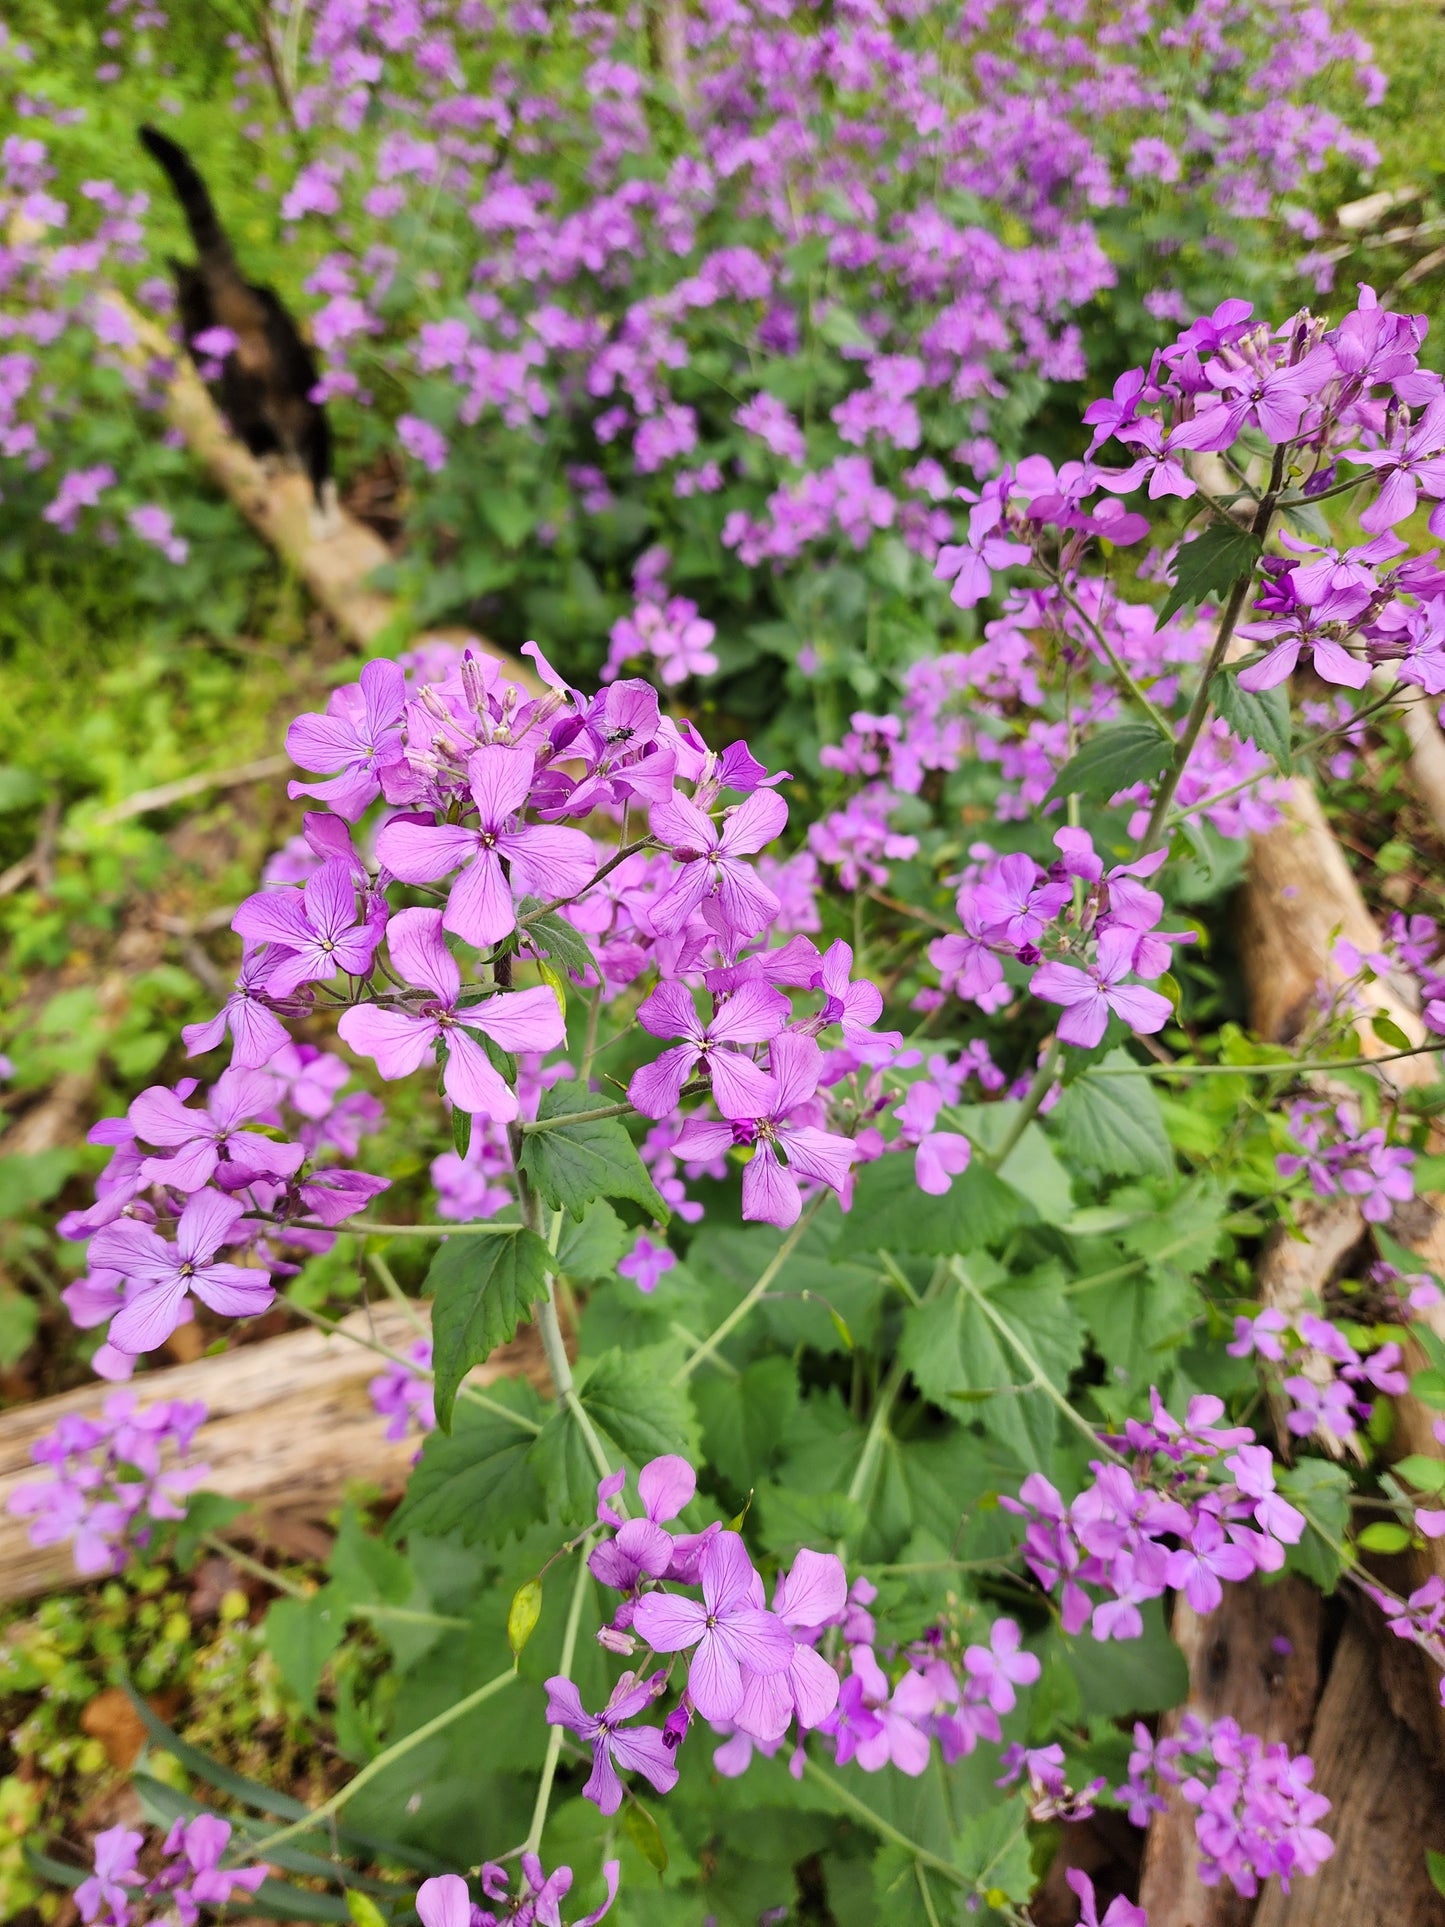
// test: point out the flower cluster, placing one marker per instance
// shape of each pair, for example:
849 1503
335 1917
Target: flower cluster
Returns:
1257 1811
1331 1383
112 1480
446 1901
1337 1156
243 1202
1162 1521
191 1875
403 1397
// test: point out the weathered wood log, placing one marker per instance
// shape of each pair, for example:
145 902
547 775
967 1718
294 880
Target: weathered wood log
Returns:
291 1426
1258 1660
1388 1807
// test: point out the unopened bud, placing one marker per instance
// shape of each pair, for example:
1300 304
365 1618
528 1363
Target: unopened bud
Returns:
623 1644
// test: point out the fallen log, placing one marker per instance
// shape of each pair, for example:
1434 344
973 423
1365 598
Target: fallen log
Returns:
291 1426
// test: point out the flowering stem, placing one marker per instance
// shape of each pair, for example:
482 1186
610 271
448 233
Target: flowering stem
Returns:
388 1757
744 1305
1156 830
469 1392
554 1737
1028 1110
883 1828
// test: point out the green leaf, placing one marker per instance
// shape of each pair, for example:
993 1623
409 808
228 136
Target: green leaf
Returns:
1435 1862
1322 1492
461 1130
478 1481
840 328
550 935
591 1249
628 1396
992 1850
745 1420
1388 1031
1208 567
951 1345
1429 1387
575 1163
564 1464
1384 1536
1113 759
19 788
523 1614
364 1910
205 1512
301 1635
1261 718
481 1288
510 517
645 1834
1425 1474
1113 1124
891 1214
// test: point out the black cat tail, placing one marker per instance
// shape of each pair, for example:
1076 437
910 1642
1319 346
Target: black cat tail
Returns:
190 190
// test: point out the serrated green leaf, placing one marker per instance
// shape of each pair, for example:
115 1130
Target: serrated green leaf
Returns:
1321 1490
480 1288
563 1462
301 1635
890 1213
478 1480
952 1344
628 1396
1208 567
575 1163
1113 1124
745 1420
1384 1536
1261 718
549 935
1113 759
590 1249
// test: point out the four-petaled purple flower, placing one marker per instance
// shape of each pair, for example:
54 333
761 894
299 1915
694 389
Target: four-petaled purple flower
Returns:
728 1630
313 930
358 736
1089 995
162 1275
400 1040
711 867
542 860
639 1749
212 1143
753 1014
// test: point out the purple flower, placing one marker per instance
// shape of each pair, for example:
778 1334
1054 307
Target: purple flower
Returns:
1089 995
729 1630
256 1033
102 1898
646 1264
940 1156
444 1901
314 930
1017 903
402 1398
357 738
400 1040
1001 1665
543 860
212 1143
856 1007
770 1186
812 1595
711 866
852 1720
162 1275
1409 463
665 1485
753 1014
196 1878
1196 1569
1385 1180
641 1750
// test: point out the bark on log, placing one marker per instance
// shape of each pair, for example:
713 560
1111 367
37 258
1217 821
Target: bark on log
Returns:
1257 1659
291 1425
1388 1807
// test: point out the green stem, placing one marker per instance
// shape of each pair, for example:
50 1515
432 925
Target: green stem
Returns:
395 1293
554 1737
1151 710
1262 1070
885 1829
1028 1110
1155 832
243 1562
575 1117
388 1757
744 1305
1024 1353
468 1392
483 1230
411 1616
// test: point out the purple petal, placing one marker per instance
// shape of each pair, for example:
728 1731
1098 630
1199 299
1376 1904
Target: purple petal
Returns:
670 1012
669 1623
814 1684
399 1042
815 1591
565 1708
274 916
420 955
754 824
714 1678
603 1787
681 825
422 852
521 1019
642 1749
326 743
796 1064
158 1116
500 777
471 1083
820 1155
728 1579
657 1087
753 1014
767 1706
237 1291
480 906
549 862
149 1318
747 904
757 1639
740 1087
665 1486
770 1193
206 1224
443 1901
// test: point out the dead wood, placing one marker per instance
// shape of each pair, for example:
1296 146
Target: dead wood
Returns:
291 1426
1258 1660
1388 1806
